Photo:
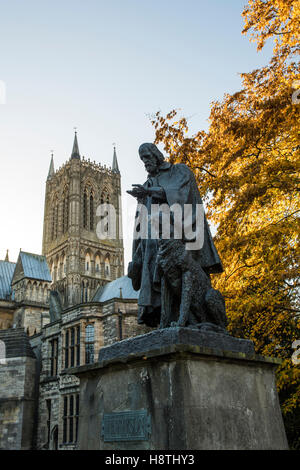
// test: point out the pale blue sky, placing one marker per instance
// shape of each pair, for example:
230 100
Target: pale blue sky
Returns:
103 66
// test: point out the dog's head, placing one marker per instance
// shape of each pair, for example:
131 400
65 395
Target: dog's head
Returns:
170 258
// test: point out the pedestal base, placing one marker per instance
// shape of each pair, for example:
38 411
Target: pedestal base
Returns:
178 396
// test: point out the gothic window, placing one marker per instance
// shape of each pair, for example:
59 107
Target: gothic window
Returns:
72 347
107 267
77 345
53 223
53 357
54 219
66 348
97 265
65 419
85 210
65 211
105 200
70 418
91 212
89 343
87 263
88 208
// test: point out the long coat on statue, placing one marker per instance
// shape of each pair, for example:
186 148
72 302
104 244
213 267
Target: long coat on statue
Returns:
179 187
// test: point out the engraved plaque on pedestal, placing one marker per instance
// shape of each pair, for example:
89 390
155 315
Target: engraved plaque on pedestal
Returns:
126 426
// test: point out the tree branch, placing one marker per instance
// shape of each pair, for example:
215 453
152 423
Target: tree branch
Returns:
201 168
244 266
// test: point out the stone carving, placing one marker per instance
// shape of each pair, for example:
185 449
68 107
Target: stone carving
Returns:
174 282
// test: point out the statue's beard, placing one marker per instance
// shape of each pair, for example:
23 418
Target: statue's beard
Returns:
152 171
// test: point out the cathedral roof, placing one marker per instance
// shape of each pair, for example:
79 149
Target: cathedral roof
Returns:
32 266
120 288
6 275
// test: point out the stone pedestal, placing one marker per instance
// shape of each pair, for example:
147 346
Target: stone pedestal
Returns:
18 397
176 389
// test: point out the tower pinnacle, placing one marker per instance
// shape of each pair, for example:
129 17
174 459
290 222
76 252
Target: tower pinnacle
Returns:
51 168
75 151
115 166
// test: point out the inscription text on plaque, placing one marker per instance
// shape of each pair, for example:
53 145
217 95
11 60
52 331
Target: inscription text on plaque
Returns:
126 426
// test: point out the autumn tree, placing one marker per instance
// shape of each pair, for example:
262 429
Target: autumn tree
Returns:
247 167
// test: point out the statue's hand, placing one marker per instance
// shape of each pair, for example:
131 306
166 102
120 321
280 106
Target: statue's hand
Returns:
138 191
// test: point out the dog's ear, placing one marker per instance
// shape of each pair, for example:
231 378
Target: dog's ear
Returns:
134 273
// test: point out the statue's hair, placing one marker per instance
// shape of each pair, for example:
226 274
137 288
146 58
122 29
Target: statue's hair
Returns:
154 150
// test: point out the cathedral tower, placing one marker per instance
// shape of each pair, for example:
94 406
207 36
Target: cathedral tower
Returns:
79 261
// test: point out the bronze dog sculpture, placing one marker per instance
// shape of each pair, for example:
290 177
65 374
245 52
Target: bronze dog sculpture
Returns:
196 302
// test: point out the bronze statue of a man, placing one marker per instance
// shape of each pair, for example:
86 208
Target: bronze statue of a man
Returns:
174 282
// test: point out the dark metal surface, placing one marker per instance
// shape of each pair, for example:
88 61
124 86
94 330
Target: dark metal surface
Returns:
35 266
6 275
112 290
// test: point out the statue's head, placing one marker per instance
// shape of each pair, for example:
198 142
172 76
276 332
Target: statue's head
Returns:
151 157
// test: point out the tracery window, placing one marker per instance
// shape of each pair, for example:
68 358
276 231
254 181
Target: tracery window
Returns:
72 347
65 210
53 357
89 343
107 267
87 263
88 209
97 265
70 418
85 210
91 212
54 219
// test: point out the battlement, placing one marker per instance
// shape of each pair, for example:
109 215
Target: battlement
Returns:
86 163
96 166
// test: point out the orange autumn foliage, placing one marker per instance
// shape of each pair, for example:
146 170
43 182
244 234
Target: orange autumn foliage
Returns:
247 166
